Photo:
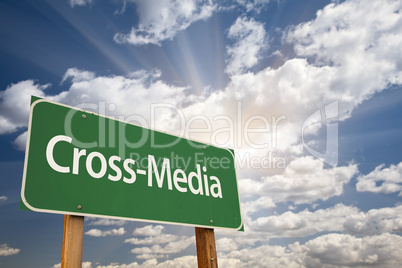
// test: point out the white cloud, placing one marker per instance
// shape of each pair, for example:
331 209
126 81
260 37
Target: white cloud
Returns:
250 40
331 250
263 256
381 180
304 223
14 104
226 244
360 41
169 248
375 221
3 198
339 250
159 239
250 207
183 262
180 262
151 256
115 93
120 92
161 244
100 233
161 20
368 241
303 181
21 141
106 222
288 91
253 5
149 230
77 75
340 218
85 264
6 126
5 250
74 3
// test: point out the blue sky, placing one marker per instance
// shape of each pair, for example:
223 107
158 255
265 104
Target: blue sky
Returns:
329 73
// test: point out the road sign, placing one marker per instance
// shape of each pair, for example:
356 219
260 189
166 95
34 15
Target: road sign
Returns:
81 163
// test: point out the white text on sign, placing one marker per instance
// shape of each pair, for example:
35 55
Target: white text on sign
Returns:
196 181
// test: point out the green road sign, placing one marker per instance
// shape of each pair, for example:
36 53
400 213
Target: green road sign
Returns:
81 163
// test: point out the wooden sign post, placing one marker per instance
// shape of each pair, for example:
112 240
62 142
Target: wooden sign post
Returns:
206 249
71 255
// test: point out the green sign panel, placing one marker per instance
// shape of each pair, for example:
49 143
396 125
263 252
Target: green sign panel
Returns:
81 163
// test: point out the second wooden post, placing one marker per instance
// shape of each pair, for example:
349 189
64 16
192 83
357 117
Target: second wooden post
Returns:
71 256
206 249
